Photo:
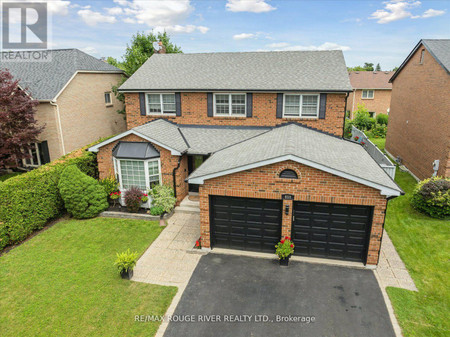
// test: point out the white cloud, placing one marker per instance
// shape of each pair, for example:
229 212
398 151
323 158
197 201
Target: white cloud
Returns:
254 6
91 18
278 45
114 11
429 13
400 9
181 29
323 46
244 36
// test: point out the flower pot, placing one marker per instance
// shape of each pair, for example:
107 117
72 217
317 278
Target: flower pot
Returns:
127 275
285 261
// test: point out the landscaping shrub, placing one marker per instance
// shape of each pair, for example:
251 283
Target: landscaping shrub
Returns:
110 185
432 196
362 119
126 261
348 128
133 199
163 196
382 119
30 200
379 131
156 210
83 196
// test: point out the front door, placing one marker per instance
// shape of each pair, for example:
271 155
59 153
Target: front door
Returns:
193 163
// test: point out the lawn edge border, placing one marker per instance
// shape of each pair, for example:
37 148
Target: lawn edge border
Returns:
389 307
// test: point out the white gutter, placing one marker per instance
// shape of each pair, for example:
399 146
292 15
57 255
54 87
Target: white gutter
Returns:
58 118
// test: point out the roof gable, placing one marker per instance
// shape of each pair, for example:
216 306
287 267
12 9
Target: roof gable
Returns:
45 80
438 48
250 71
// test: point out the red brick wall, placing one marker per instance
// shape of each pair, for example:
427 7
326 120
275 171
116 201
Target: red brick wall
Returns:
419 121
168 163
379 104
194 111
313 185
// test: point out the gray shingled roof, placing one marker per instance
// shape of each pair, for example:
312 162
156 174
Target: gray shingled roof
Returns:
44 80
209 139
440 49
164 132
340 155
250 71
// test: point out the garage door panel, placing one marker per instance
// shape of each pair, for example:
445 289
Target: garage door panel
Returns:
331 230
245 223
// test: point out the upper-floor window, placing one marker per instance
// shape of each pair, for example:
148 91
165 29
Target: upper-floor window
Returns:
296 105
229 104
158 104
422 55
367 94
108 100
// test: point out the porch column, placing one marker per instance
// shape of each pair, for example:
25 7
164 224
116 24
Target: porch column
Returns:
286 222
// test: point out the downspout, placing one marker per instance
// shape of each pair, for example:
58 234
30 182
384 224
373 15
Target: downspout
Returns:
353 101
58 117
174 179
345 112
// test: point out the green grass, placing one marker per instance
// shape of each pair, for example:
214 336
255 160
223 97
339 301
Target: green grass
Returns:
6 176
63 282
379 142
423 244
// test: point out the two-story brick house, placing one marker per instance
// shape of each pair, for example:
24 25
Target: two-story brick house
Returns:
76 105
371 89
259 136
419 123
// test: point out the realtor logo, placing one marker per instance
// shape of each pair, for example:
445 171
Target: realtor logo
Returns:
24 25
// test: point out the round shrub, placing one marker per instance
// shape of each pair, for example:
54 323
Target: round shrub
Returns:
82 195
156 210
379 131
382 119
163 196
133 199
432 196
363 121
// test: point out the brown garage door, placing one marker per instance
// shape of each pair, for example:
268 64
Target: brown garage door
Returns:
245 223
331 231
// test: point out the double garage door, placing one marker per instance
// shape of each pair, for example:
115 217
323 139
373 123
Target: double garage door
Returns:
332 231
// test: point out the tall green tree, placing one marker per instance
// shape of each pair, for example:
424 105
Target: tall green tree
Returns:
378 67
366 67
140 49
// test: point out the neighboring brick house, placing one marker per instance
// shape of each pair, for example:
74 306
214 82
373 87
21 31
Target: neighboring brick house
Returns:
264 151
76 106
419 122
371 88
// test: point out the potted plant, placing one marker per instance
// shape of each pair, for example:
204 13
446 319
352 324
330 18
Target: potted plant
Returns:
284 250
114 196
125 263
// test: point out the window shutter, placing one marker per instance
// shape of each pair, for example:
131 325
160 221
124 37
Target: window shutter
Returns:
178 103
210 104
323 106
249 104
279 105
44 153
142 103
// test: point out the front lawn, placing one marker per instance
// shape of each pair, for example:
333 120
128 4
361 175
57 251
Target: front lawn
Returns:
63 282
423 244
379 142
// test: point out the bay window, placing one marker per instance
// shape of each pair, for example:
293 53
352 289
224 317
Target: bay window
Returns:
144 174
158 104
230 105
296 105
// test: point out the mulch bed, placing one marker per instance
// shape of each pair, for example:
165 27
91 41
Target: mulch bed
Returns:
122 209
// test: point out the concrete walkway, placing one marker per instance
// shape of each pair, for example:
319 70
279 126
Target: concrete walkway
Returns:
167 261
391 270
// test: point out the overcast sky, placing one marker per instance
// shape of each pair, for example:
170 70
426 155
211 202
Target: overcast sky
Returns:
367 31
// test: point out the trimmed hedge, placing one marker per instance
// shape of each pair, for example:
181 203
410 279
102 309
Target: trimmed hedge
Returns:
28 201
83 196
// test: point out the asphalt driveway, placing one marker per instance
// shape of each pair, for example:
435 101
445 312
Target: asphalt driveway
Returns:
242 296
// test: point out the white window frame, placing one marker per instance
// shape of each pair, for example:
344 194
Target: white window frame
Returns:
367 96
118 171
38 156
162 113
110 98
230 104
301 105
